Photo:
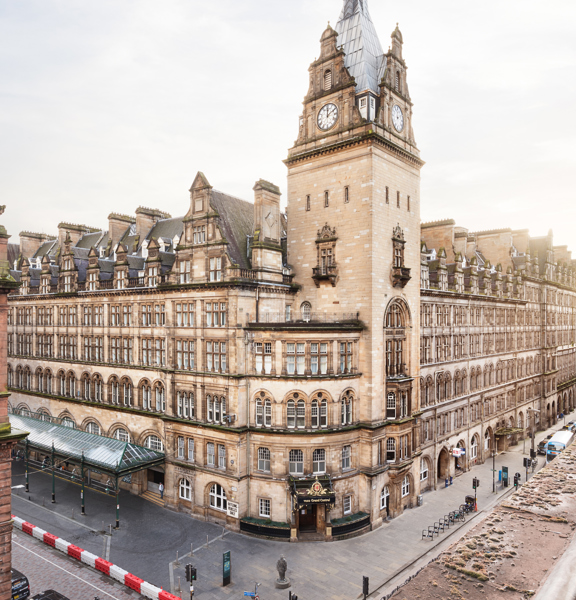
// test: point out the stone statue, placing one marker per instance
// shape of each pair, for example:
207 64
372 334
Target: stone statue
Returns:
281 565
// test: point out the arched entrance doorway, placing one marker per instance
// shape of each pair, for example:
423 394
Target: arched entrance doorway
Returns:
443 464
460 461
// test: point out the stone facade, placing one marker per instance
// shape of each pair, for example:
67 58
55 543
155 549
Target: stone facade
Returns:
283 362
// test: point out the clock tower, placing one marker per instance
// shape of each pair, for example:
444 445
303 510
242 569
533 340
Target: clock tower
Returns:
354 210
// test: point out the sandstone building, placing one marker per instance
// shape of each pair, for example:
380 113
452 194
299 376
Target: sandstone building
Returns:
310 374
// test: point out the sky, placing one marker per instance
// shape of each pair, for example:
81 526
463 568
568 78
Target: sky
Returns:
107 105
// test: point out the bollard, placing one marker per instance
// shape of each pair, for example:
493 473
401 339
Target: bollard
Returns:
446 483
450 480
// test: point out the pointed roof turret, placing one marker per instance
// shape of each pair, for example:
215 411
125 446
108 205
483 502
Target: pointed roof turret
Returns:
357 36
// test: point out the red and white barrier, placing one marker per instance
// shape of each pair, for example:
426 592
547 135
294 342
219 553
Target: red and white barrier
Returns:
128 579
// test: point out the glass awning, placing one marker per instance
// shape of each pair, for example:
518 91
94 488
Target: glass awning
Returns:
107 454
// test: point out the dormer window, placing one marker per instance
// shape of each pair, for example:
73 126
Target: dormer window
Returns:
120 280
92 281
328 80
152 276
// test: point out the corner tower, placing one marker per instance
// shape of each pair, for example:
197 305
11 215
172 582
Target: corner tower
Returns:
354 207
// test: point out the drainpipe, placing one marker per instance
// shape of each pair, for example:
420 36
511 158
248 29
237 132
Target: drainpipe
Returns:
248 457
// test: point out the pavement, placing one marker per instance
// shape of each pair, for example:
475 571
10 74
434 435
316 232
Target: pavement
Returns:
47 568
150 537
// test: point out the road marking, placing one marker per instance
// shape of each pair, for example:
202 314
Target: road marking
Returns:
63 569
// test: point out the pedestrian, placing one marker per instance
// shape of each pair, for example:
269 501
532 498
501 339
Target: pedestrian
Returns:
161 490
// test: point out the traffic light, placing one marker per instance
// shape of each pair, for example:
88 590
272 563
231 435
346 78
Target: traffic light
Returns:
190 573
516 479
475 483
532 454
527 462
365 585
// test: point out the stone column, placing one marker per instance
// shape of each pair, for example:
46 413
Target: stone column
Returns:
8 437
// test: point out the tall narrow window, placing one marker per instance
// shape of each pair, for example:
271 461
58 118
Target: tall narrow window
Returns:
307 202
346 457
319 461
387 195
408 203
346 194
397 81
327 80
398 199
296 462
326 198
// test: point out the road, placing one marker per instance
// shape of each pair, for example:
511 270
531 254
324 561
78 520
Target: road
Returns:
150 536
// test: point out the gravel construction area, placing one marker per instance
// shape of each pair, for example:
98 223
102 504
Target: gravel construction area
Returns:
510 554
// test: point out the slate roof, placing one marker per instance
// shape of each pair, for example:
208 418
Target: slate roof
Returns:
92 240
13 253
46 248
357 35
236 223
167 228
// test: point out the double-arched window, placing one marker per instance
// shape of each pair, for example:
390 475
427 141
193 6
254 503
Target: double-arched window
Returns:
346 409
263 411
319 412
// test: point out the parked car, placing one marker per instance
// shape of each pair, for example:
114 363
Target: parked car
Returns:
50 595
20 585
541 448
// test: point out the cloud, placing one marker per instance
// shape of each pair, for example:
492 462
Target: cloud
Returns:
108 105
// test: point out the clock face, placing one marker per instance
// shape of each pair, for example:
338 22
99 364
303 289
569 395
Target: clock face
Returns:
397 118
327 117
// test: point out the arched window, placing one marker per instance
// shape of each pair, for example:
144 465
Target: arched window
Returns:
406 487
19 377
146 392
296 462
306 310
114 391
423 469
62 383
40 379
319 461
385 498
390 450
127 392
291 414
43 415
327 80
487 440
48 381
27 379
122 435
86 386
268 413
391 405
259 412
218 497
346 409
97 388
264 460
10 377
93 427
301 414
395 317
68 422
71 385
153 442
185 489
160 397
474 447
315 414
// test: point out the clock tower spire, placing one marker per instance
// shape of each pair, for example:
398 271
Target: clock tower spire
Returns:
354 199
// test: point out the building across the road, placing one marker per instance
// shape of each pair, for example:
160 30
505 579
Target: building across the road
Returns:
307 374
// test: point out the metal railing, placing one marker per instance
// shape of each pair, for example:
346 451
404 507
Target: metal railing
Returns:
303 317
